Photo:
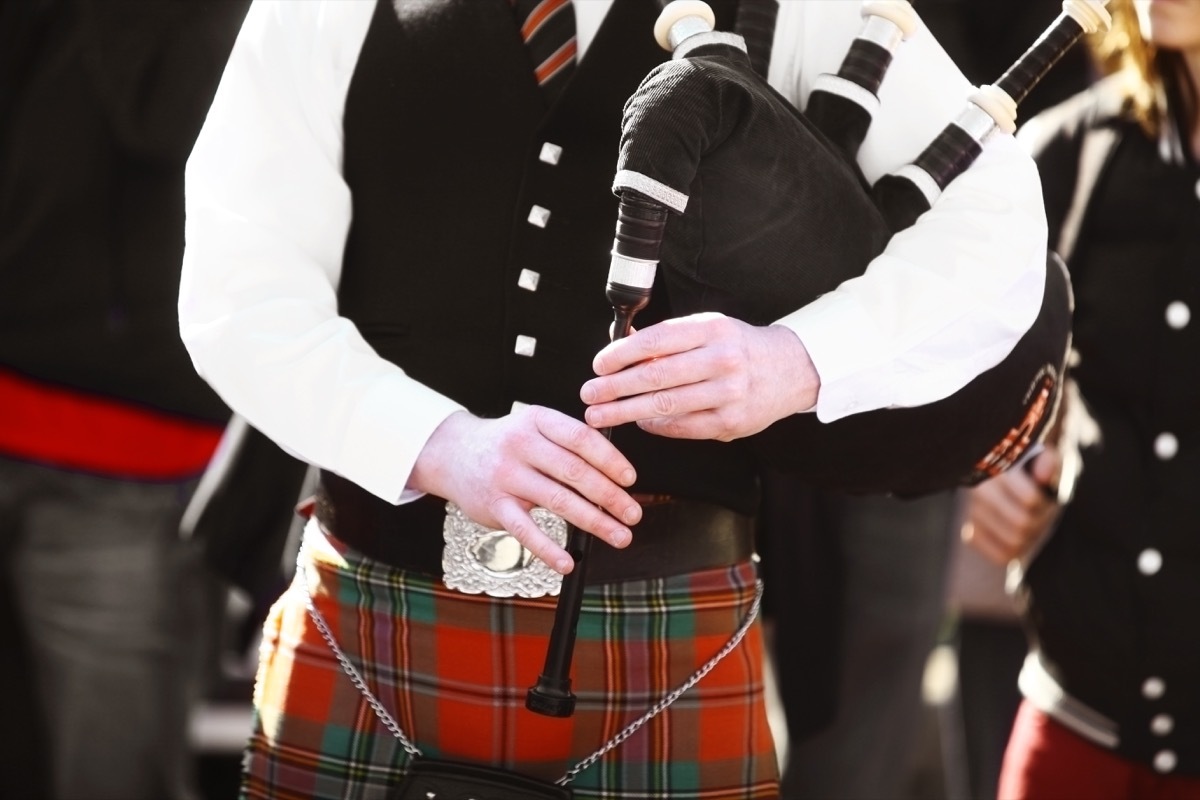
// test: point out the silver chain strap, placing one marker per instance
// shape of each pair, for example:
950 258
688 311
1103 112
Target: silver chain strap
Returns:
390 723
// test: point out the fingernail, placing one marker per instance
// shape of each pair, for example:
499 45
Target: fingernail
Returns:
587 394
621 538
563 566
628 477
631 515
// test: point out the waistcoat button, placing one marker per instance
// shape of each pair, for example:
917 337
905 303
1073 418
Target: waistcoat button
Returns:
528 279
1162 724
1178 314
1149 561
525 346
1166 446
1153 688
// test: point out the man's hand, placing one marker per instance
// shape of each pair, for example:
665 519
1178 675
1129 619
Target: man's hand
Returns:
706 376
1011 513
496 470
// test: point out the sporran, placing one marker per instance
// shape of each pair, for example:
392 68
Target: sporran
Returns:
430 779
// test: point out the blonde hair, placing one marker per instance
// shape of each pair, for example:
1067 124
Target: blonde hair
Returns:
1155 82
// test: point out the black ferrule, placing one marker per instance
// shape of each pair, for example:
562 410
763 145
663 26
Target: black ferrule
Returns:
865 64
640 225
1022 76
949 155
627 297
551 697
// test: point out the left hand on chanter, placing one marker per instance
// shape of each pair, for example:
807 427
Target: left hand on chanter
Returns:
704 376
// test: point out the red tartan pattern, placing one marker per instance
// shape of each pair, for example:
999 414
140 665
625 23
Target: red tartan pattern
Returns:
453 670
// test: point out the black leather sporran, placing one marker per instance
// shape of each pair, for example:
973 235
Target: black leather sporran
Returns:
430 779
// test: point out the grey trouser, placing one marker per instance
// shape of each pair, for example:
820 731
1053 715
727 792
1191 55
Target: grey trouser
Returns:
110 599
896 553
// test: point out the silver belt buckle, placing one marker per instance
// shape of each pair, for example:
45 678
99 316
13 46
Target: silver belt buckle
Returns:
480 560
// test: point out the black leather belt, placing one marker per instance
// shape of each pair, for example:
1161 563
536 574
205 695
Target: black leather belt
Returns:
675 536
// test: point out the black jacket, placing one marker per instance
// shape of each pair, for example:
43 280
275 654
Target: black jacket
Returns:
101 101
1112 597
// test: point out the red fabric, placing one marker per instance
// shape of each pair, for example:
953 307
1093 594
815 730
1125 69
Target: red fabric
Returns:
1047 761
66 428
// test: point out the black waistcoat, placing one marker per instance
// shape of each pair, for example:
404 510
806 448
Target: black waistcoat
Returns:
444 135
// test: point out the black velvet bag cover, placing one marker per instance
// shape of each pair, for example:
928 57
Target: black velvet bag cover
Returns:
775 217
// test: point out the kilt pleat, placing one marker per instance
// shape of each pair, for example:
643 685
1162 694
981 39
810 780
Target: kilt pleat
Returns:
453 669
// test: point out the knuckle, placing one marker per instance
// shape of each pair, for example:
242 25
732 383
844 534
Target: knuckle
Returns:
495 509
611 498
669 427
560 501
510 438
528 534
726 422
727 359
575 469
723 326
578 436
663 403
540 416
652 340
655 374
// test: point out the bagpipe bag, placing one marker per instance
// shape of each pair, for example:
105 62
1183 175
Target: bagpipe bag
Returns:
770 213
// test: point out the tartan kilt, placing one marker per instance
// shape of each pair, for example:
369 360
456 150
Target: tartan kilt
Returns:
453 670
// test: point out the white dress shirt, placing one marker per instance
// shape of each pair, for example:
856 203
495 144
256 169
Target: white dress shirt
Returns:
268 214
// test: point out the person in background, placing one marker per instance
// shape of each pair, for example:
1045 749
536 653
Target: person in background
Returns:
413 306
982 626
104 424
1100 530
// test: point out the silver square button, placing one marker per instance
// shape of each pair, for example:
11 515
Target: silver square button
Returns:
525 346
528 280
550 154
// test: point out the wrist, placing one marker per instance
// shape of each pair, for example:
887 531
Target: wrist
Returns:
802 383
434 466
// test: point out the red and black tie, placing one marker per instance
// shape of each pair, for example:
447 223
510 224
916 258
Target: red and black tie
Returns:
548 28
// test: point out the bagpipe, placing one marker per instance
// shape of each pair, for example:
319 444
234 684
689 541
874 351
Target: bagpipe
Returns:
754 209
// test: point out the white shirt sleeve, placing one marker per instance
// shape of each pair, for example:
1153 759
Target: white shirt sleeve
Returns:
267 218
950 296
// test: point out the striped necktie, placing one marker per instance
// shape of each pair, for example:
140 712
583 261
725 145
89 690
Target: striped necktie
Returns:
548 29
